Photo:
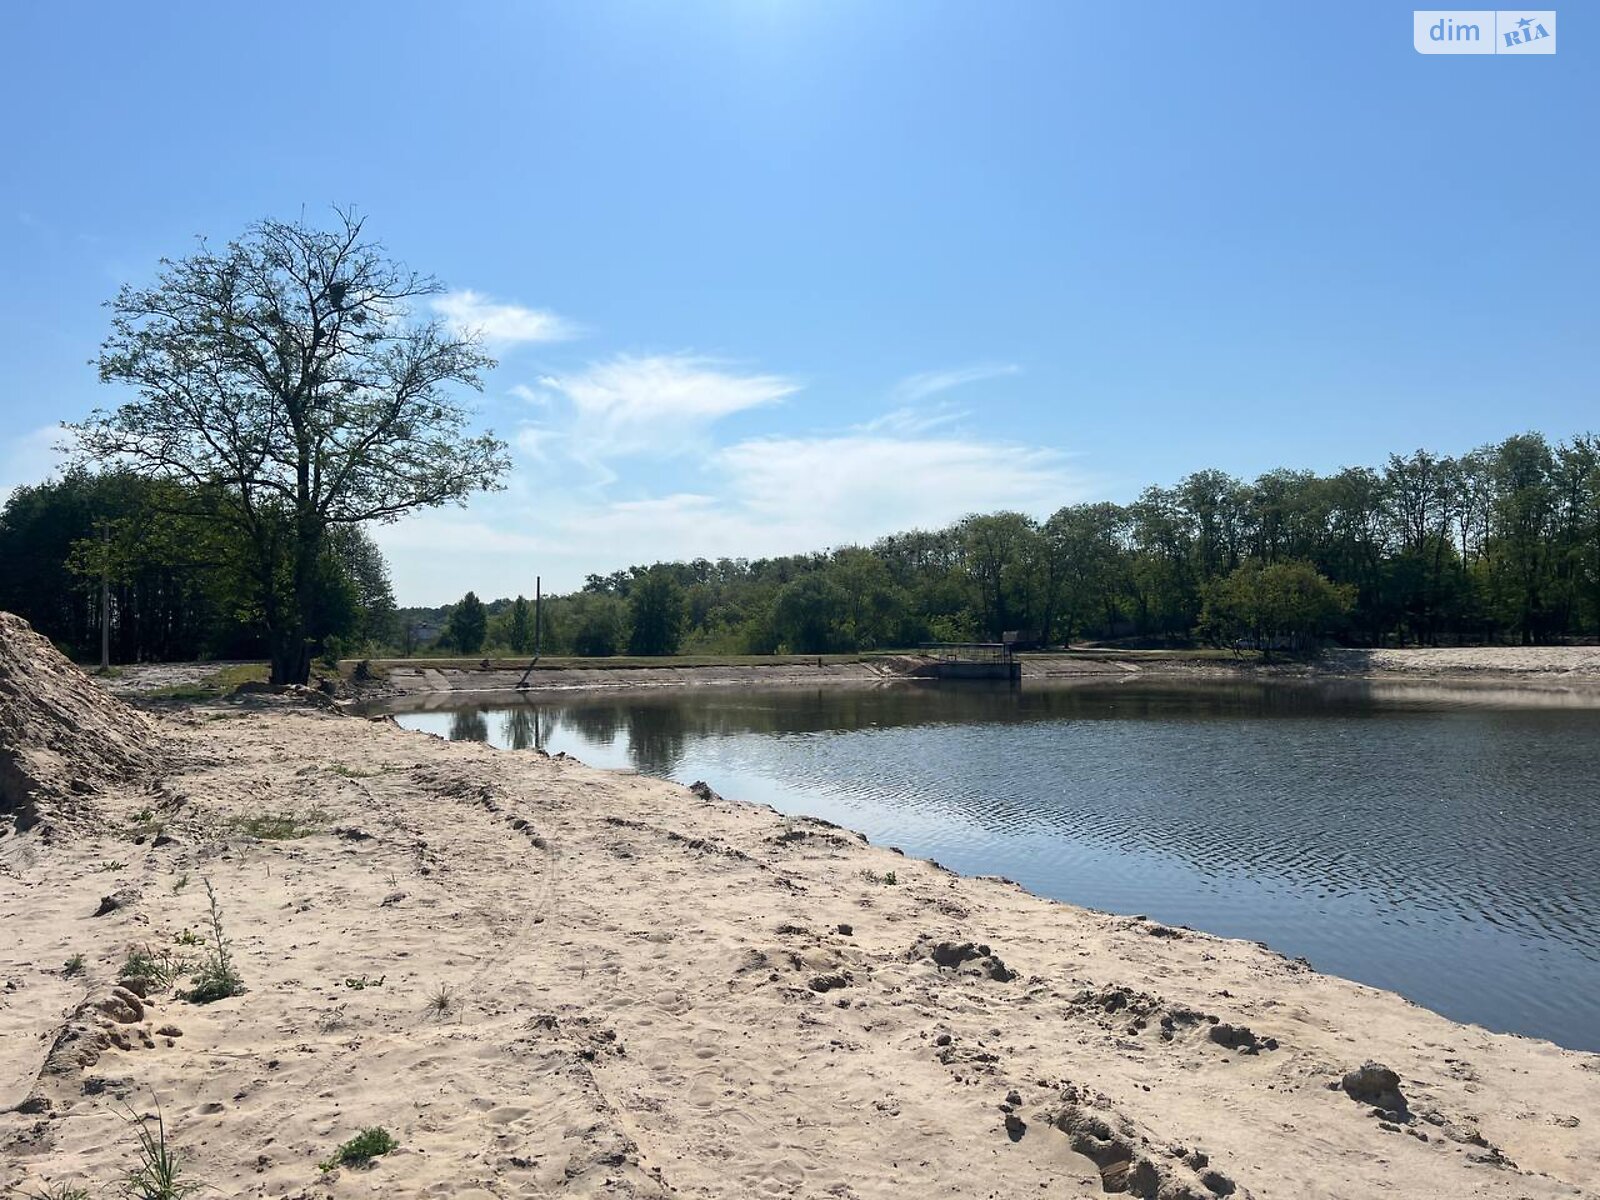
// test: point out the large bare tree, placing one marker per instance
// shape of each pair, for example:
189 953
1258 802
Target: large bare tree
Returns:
289 378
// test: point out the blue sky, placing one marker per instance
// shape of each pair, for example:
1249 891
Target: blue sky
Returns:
772 275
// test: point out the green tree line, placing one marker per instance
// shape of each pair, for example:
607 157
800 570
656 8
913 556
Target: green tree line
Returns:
1501 544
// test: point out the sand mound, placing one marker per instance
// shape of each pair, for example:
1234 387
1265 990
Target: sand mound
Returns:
61 737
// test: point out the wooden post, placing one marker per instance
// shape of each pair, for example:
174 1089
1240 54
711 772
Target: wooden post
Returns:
538 636
105 598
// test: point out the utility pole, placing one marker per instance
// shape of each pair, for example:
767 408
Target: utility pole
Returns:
105 598
538 631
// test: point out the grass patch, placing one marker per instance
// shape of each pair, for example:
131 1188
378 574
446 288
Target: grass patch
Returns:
216 978
887 877
158 1176
161 967
362 1149
360 983
111 864
184 693
58 1191
213 686
279 826
73 966
351 772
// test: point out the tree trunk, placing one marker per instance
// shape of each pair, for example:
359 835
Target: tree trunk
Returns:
290 637
291 658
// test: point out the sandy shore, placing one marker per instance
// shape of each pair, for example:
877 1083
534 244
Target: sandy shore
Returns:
586 983
1549 669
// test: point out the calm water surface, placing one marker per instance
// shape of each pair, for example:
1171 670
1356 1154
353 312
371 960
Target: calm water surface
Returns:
1421 839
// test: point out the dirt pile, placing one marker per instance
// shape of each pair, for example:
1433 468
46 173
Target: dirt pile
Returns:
61 738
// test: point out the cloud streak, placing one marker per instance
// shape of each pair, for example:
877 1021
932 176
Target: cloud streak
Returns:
916 388
596 439
468 312
662 404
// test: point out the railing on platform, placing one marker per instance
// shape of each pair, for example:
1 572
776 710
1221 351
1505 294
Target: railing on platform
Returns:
968 652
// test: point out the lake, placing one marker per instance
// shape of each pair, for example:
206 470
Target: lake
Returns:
1440 842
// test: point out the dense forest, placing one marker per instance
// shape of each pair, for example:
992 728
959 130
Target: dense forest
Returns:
1502 544
181 583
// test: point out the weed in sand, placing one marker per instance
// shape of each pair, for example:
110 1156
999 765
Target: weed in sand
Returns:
188 938
111 864
443 1002
160 967
873 877
358 984
183 882
58 1191
351 772
361 1149
217 977
73 966
157 1177
278 827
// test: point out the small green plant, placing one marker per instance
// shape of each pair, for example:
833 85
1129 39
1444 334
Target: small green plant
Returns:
111 864
351 772
182 882
443 1002
161 967
188 938
59 1191
158 1176
73 966
363 982
217 977
278 827
361 1149
873 877
144 816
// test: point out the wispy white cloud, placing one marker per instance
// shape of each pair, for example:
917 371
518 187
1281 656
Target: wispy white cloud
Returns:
909 419
534 441
530 395
787 495
579 504
660 403
853 487
915 388
912 416
468 312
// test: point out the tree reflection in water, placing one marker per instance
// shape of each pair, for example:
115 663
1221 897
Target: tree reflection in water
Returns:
469 725
520 729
